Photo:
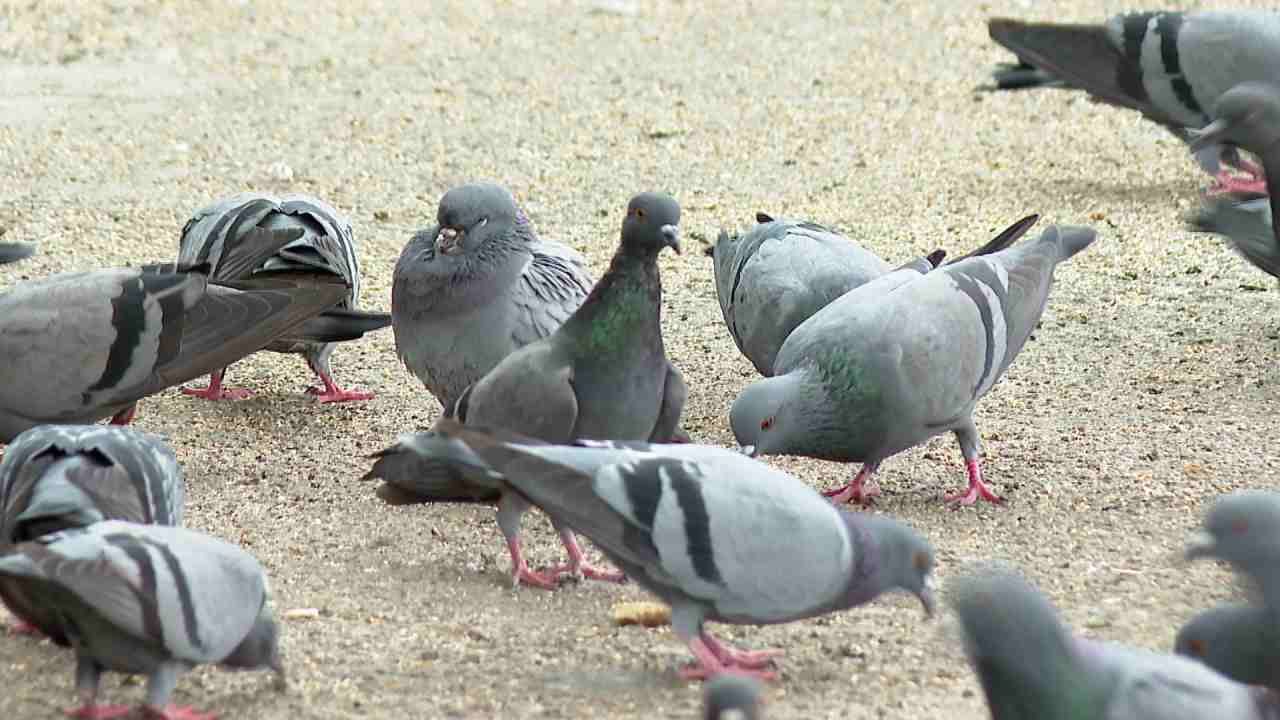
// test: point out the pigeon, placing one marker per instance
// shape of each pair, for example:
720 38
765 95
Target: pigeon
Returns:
79 347
1239 641
901 359
326 247
13 252
713 533
1030 665
730 695
1169 66
150 600
55 477
1246 116
1243 529
781 272
603 374
475 287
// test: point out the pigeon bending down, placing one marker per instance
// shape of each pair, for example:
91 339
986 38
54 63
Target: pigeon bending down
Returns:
901 359
55 477
475 287
1239 641
781 272
1247 116
603 374
1031 667
713 533
150 600
79 347
13 252
326 247
730 695
1169 66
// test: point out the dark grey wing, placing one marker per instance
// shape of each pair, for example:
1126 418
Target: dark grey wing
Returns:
426 467
550 289
1006 238
328 246
674 393
214 230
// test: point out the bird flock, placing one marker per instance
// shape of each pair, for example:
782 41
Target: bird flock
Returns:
558 394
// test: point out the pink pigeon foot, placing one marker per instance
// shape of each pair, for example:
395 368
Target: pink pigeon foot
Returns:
331 392
1230 183
858 491
173 712
977 488
125 416
520 572
22 627
709 665
215 390
579 567
99 712
749 659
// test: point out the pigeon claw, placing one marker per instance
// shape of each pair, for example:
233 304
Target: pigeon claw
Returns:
1228 183
99 712
22 627
526 576
586 570
216 392
173 712
336 394
977 488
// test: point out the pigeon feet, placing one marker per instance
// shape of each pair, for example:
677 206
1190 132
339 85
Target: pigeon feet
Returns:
578 567
331 392
125 416
214 392
977 488
173 712
860 491
99 712
1229 183
709 664
750 659
22 627
523 575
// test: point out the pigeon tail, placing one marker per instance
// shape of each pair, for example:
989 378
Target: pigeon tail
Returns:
340 324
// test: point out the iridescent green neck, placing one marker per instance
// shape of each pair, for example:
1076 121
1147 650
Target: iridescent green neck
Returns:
625 304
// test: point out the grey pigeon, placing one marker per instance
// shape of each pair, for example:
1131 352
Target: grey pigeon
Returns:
149 600
901 359
326 247
476 286
55 477
13 252
1247 116
603 374
1243 529
1169 66
777 275
1239 641
730 695
1032 668
713 533
79 347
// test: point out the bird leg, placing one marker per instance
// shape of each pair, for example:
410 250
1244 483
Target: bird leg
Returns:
750 659
125 416
977 488
1227 182
578 567
159 688
708 664
215 391
22 627
331 392
87 676
511 508
857 491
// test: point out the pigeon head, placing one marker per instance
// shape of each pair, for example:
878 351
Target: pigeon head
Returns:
260 648
1238 641
1242 528
766 417
652 223
732 696
1247 116
903 559
471 215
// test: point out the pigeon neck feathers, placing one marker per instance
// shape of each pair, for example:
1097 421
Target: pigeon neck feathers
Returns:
626 303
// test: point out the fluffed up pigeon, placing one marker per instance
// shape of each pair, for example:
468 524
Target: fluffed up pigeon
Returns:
603 374
78 347
730 696
1247 116
13 252
901 359
326 247
1030 666
476 286
55 477
713 533
778 274
1169 66
150 600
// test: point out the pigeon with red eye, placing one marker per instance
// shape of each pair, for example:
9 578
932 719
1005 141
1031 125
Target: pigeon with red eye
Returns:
905 357
1239 641
475 287
1243 529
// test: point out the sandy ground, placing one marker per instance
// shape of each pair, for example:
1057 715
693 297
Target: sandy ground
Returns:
1148 390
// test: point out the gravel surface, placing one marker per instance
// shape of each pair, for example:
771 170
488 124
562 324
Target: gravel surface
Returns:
1148 389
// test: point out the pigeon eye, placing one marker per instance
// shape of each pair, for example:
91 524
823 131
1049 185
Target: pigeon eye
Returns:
1196 647
766 423
639 212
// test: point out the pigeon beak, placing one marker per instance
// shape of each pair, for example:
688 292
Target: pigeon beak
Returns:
449 241
926 600
1201 544
671 235
748 450
1211 134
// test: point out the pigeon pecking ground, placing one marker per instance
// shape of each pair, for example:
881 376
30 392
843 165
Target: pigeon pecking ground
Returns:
1148 389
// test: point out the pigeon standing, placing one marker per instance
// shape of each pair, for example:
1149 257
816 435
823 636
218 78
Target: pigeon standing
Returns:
150 600
781 272
1247 116
13 252
55 477
79 347
901 359
1030 666
326 247
475 287
713 533
1169 66
603 374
